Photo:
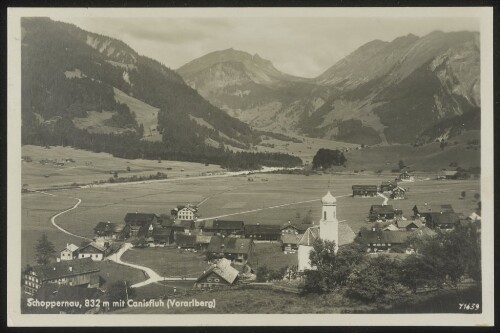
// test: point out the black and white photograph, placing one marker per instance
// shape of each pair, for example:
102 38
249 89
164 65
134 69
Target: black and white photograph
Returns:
328 162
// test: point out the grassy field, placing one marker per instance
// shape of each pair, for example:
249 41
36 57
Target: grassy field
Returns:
168 262
90 167
111 272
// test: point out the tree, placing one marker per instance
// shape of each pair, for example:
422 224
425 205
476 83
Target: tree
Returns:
119 290
128 168
401 165
325 158
463 194
44 250
307 219
477 196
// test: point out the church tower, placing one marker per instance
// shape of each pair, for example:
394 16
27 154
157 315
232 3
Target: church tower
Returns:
329 225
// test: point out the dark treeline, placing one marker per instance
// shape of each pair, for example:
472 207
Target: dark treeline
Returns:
128 145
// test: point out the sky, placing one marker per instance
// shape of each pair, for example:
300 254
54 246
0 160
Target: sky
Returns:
303 47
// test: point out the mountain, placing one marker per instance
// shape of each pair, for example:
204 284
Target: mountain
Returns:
95 92
402 91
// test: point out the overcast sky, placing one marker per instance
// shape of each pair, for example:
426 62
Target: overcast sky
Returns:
299 46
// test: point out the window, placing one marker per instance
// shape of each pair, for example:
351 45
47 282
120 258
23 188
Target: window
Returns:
209 280
216 280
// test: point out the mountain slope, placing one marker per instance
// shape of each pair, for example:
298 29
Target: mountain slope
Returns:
383 92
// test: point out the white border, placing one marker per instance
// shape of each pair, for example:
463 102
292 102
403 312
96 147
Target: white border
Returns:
15 318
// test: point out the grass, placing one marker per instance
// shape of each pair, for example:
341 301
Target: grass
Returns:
168 262
111 272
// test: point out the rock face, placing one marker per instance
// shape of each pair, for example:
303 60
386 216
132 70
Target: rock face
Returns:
382 92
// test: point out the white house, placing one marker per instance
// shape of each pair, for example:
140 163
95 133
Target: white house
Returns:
187 213
69 252
94 251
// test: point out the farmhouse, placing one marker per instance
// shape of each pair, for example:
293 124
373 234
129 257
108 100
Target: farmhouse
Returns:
409 225
446 208
379 241
294 228
442 220
63 293
381 212
290 242
83 272
398 193
111 231
364 190
185 241
222 227
406 177
139 223
163 236
264 232
387 186
94 251
185 213
220 275
70 252
234 249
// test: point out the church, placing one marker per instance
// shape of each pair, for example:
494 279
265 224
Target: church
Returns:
329 228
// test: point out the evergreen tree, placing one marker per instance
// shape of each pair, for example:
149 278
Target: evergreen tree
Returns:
44 250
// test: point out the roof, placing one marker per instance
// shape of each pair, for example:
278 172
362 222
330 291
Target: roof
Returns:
388 182
301 227
65 269
445 218
398 189
229 245
346 235
406 223
94 245
185 239
328 199
262 229
203 239
379 236
162 232
446 208
109 227
223 225
450 172
139 218
365 187
185 224
290 239
425 231
56 292
71 247
381 209
223 269
390 227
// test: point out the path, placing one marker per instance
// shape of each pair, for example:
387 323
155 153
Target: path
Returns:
386 199
264 208
153 277
53 220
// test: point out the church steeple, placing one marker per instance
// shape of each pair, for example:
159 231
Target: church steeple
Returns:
329 225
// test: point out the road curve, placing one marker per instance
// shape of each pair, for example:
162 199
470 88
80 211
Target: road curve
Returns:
53 220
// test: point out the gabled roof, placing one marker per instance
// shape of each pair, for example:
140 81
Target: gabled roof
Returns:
390 227
346 235
183 239
94 245
388 182
406 223
379 236
300 227
445 218
65 269
290 239
162 232
233 245
398 189
109 227
262 229
223 269
364 187
203 239
223 225
70 247
139 218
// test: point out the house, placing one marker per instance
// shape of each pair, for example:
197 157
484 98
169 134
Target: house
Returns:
63 294
290 242
112 231
446 208
406 177
409 225
381 212
185 213
264 232
441 220
70 252
162 235
185 241
364 190
387 186
185 226
379 241
449 174
234 249
294 228
398 193
223 227
220 275
84 272
203 241
139 223
94 251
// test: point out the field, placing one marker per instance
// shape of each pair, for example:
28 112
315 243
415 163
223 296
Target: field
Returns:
169 262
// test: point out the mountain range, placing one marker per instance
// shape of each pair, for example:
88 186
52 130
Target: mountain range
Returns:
409 90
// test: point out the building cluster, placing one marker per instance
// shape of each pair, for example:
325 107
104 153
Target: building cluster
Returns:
391 187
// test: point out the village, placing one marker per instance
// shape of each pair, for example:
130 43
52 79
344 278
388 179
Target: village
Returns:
226 248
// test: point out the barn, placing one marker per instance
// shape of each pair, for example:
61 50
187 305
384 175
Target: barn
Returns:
263 232
364 190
